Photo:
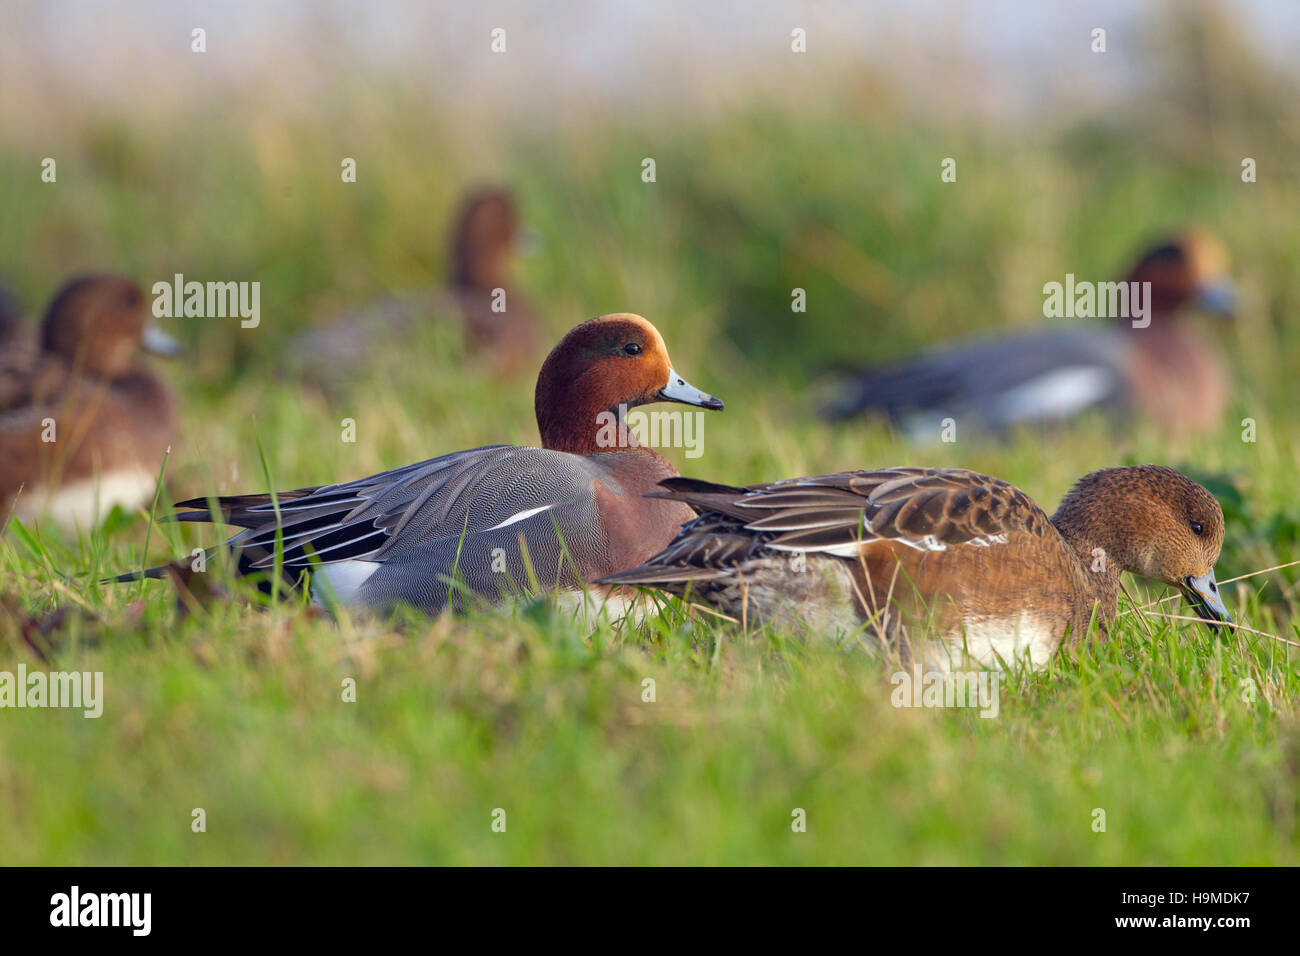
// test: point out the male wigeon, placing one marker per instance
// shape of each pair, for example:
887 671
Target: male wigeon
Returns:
1164 371
498 324
901 553
494 521
84 424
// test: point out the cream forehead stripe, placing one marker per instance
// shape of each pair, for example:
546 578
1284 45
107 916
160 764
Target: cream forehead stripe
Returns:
645 325
1209 256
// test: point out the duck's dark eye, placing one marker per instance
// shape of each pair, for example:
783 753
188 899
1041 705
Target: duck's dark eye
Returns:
1198 529
632 348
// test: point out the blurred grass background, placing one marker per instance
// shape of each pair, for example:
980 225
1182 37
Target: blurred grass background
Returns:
822 177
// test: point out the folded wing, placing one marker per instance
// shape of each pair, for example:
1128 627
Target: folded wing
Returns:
927 509
442 516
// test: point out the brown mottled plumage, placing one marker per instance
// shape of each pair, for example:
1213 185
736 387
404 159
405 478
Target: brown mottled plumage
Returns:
18 352
110 417
904 552
11 327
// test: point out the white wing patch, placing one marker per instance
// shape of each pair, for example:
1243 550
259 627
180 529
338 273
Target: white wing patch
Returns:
929 542
342 581
521 516
1059 393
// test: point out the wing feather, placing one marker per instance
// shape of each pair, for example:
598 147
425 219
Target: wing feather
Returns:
924 508
412 507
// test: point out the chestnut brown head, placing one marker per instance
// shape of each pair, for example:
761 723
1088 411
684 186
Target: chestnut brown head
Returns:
604 366
483 240
1153 521
98 323
1189 270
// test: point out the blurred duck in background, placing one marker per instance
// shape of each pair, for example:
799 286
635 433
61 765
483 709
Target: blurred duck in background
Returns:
499 326
11 327
84 425
498 323
1161 369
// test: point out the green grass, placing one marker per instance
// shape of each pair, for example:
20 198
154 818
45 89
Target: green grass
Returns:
238 710
241 713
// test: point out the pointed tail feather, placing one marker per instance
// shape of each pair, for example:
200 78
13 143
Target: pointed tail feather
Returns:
243 511
702 495
667 577
246 565
159 572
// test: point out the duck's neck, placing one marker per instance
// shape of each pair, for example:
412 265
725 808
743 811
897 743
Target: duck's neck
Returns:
589 429
480 270
1162 328
1160 301
143 384
1097 550
577 421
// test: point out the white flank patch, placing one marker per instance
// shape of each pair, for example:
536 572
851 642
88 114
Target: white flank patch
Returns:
82 503
341 581
928 543
1020 638
847 550
1059 393
521 516
584 604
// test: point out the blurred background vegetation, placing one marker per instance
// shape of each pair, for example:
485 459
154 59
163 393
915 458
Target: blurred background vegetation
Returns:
818 171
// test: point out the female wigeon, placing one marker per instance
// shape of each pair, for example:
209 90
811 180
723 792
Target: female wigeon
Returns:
901 553
11 328
1164 370
498 324
84 424
494 521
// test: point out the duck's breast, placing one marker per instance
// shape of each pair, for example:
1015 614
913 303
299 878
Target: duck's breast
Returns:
635 527
1009 595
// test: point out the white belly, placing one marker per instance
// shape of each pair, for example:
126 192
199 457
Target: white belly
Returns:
84 503
1024 639
593 605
